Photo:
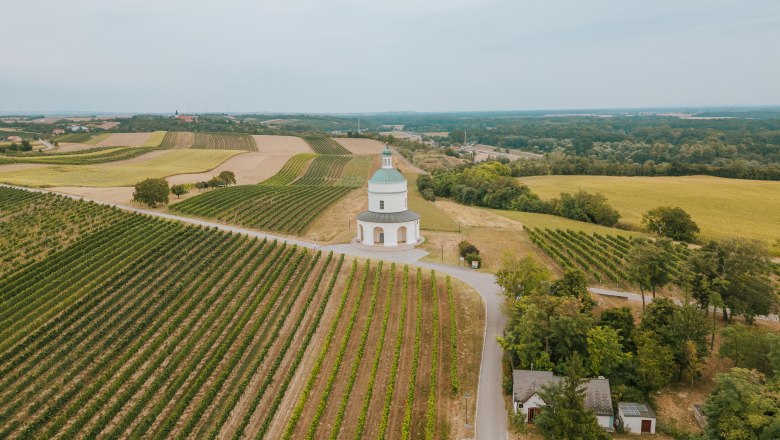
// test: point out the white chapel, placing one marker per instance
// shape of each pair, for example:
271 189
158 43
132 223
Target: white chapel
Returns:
388 222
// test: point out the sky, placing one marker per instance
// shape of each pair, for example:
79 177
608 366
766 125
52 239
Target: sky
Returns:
349 56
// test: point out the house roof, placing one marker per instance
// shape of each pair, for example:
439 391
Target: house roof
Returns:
387 175
634 409
388 217
526 383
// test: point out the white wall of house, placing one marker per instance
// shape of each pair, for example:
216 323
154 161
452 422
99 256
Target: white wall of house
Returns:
634 424
533 402
606 422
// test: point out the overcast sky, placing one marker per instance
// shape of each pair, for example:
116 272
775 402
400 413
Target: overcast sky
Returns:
386 55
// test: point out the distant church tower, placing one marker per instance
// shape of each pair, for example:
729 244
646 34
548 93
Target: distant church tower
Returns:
388 222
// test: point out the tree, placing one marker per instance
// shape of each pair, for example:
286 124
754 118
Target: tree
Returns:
179 190
654 362
574 284
525 276
670 222
201 185
744 273
743 406
649 265
565 416
228 177
674 326
152 192
465 248
544 327
749 347
216 182
605 351
622 320
586 207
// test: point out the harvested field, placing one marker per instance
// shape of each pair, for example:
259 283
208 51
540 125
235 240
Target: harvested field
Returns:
249 168
288 145
258 339
361 146
155 139
124 140
97 139
67 147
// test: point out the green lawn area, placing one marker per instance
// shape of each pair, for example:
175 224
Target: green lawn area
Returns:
124 173
542 221
721 207
432 218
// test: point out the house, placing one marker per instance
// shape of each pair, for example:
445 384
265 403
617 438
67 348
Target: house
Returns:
527 384
637 418
78 129
58 131
13 139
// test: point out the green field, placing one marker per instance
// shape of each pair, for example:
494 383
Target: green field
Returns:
165 164
721 207
533 220
291 170
140 327
84 157
431 217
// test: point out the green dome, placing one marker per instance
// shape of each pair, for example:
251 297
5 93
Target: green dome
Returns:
385 175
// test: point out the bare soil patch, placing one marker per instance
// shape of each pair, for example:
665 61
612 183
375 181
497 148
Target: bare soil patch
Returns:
288 145
125 140
19 166
250 168
67 147
361 146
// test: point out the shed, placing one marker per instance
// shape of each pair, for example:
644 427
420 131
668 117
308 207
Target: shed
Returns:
638 418
14 138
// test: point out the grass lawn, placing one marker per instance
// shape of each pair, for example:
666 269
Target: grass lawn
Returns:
432 218
555 222
126 173
721 207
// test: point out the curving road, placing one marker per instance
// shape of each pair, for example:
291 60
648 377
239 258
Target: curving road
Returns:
491 419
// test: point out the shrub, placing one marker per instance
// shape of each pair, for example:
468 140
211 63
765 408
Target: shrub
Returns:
465 248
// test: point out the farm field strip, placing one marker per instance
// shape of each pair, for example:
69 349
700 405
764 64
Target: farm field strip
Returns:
324 170
223 141
187 332
96 155
291 170
326 145
155 140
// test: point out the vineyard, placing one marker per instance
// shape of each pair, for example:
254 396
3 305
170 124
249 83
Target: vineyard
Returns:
84 157
287 209
76 138
160 330
601 257
325 145
287 202
224 141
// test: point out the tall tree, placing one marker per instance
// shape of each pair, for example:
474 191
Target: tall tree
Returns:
605 351
649 265
743 406
228 177
522 276
152 192
671 222
622 320
565 416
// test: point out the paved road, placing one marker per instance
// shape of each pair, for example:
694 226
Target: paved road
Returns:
491 422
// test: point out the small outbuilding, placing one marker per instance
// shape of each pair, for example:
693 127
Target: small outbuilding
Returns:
638 418
14 139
